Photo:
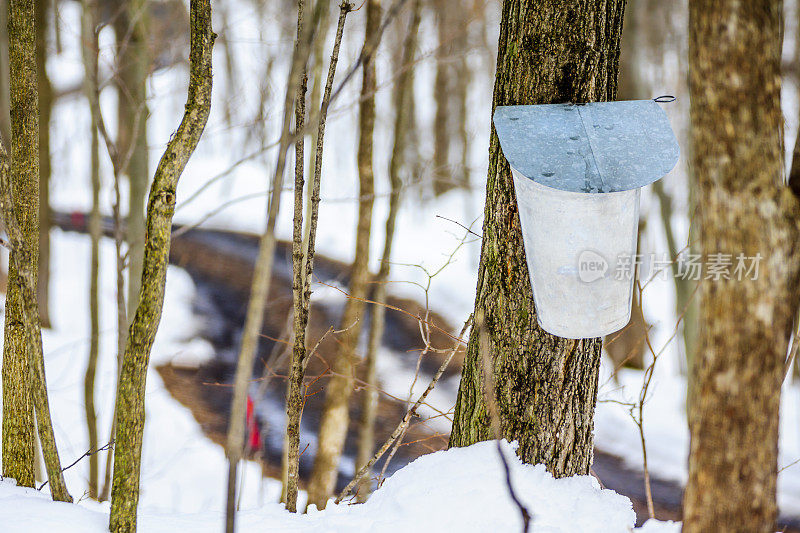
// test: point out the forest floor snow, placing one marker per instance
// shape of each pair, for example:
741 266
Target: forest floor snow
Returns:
462 489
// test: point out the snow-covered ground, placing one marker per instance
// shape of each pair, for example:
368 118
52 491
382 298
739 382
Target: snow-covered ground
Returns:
183 473
462 489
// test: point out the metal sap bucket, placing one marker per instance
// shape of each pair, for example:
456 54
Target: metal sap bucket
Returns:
578 171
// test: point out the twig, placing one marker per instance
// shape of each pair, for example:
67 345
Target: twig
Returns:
87 453
460 224
370 45
288 138
393 308
407 418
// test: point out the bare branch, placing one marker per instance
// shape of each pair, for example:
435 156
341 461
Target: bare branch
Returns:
412 411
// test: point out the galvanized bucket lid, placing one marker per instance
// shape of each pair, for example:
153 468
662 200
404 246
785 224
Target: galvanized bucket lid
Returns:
597 147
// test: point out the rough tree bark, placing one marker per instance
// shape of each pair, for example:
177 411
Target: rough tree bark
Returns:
546 387
369 404
23 262
299 301
23 360
18 422
42 9
744 207
335 416
5 85
131 27
161 206
303 262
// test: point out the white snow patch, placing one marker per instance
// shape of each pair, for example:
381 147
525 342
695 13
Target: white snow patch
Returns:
462 489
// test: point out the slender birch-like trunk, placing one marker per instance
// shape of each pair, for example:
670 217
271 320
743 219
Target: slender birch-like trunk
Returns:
262 274
335 416
303 263
132 27
130 412
369 404
90 65
443 83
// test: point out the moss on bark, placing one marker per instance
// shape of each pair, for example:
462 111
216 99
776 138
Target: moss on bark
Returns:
18 421
549 51
160 209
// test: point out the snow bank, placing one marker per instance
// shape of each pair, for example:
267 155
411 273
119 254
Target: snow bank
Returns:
456 490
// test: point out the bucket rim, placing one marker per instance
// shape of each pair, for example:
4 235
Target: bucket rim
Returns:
594 148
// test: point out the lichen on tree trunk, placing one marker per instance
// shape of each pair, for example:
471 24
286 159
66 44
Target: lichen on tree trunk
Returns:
18 422
743 208
42 9
24 384
546 387
161 207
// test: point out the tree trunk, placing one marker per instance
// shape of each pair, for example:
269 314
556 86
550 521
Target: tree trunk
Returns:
299 297
133 65
443 179
42 9
5 91
335 416
18 422
262 274
90 53
369 404
302 296
23 360
546 387
745 321
463 81
161 206
317 84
